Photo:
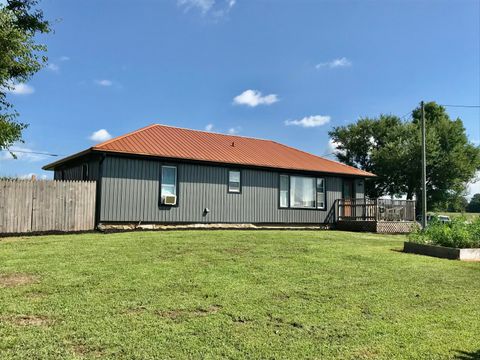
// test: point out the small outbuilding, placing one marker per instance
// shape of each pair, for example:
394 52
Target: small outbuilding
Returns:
167 175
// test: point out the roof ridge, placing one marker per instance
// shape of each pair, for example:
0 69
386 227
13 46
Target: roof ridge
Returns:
122 136
213 132
321 157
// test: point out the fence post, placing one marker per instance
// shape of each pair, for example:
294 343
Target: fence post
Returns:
338 209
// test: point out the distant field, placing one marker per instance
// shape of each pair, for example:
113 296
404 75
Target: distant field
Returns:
469 216
234 295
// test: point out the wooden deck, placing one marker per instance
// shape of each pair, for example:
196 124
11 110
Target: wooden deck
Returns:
374 215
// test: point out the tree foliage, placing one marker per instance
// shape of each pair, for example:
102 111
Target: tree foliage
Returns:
391 148
20 58
474 204
456 203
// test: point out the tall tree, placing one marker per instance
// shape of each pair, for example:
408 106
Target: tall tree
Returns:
458 203
20 57
391 149
474 204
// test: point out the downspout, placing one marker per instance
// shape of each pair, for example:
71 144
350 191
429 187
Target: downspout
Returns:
98 202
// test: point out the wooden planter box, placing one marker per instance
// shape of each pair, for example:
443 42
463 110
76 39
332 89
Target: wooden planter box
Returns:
442 252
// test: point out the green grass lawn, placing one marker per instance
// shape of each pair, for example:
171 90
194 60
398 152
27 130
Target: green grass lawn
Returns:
233 294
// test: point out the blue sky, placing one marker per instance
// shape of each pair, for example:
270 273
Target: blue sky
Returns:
283 70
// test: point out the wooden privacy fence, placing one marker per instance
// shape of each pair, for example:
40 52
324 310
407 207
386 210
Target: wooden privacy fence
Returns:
46 205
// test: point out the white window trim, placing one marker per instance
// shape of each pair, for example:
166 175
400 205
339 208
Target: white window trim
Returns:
287 191
162 184
324 192
315 207
235 191
315 192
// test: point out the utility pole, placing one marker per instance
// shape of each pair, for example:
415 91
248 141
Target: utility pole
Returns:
424 170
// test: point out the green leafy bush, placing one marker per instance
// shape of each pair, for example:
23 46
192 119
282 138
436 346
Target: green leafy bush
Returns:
459 233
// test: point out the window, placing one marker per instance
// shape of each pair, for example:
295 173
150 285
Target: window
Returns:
320 193
284 186
302 192
169 181
234 181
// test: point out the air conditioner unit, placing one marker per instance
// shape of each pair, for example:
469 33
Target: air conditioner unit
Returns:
169 200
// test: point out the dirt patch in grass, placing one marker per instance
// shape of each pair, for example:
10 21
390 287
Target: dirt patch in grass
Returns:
35 295
84 350
17 279
278 322
365 353
135 310
212 309
29 320
172 314
281 296
182 313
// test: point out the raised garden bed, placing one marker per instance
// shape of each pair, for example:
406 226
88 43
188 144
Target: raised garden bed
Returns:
456 239
442 251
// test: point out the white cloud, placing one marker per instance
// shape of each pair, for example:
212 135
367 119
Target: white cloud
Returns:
53 67
24 154
19 89
335 63
217 8
104 82
203 5
223 11
254 98
100 135
310 121
332 147
64 58
233 130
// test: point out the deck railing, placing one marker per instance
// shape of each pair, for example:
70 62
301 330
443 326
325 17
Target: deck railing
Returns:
375 210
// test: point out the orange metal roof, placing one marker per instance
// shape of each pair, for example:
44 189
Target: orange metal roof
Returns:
173 142
177 143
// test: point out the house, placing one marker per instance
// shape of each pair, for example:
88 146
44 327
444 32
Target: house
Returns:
170 175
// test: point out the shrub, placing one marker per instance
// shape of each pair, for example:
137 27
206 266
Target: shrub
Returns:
458 233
